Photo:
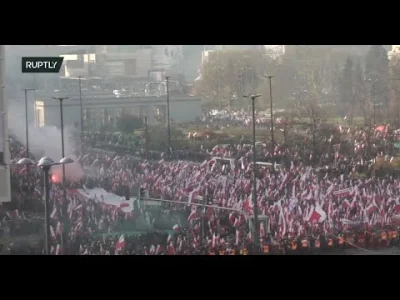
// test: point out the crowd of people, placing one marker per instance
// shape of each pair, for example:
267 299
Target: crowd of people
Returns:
303 209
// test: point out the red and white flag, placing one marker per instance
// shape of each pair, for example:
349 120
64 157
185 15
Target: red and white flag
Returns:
397 206
171 249
262 230
237 237
193 215
342 193
176 228
58 250
282 224
120 245
318 215
371 209
53 214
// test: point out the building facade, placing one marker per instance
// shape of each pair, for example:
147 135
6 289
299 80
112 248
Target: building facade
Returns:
104 110
75 65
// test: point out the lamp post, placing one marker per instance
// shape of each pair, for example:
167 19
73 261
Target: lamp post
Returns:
81 106
146 133
27 120
61 99
169 119
272 112
45 164
256 238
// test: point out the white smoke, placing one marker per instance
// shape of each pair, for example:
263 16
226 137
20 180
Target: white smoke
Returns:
46 141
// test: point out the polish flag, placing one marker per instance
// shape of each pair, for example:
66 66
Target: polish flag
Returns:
193 215
371 209
342 193
346 204
209 212
203 165
215 240
262 230
232 218
171 249
59 228
277 206
152 250
169 238
52 234
397 206
58 250
282 224
211 163
237 237
159 249
120 244
192 195
53 214
317 215
78 207
176 228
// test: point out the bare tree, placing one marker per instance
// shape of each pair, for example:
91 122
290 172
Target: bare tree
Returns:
395 88
311 79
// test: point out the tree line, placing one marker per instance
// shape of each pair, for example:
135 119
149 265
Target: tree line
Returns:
312 83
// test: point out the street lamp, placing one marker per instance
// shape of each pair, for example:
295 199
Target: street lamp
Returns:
81 105
272 112
45 164
61 99
169 119
27 119
256 238
374 97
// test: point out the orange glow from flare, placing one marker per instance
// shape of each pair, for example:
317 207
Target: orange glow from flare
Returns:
55 178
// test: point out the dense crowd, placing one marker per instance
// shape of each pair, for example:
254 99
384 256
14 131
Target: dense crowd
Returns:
307 209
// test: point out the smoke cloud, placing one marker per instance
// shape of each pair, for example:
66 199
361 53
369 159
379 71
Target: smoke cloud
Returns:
46 141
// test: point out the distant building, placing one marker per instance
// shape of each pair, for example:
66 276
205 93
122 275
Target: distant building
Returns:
123 60
105 109
79 64
165 56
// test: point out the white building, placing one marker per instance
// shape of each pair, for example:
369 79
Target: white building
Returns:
165 56
75 65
